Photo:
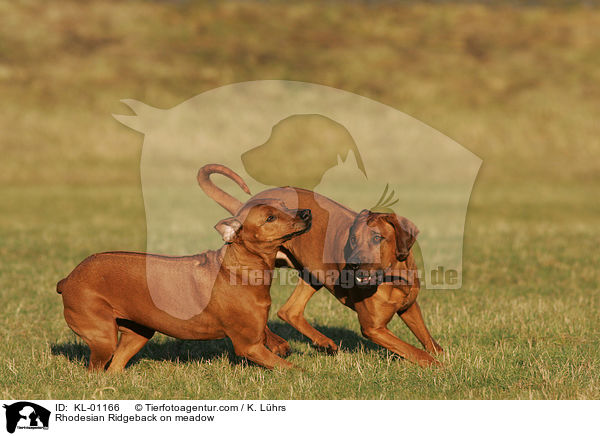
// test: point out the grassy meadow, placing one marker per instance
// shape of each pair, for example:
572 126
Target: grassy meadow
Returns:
518 86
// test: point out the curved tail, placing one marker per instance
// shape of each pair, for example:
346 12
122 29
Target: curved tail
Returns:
232 205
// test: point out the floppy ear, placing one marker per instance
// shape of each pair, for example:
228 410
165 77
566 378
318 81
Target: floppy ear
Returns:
406 234
364 212
228 228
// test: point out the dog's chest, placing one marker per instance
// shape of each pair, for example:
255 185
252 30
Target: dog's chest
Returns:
402 297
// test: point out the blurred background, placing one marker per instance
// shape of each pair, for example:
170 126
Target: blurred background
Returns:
517 83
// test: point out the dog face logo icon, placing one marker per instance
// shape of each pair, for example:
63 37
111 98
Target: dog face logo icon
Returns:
274 163
26 415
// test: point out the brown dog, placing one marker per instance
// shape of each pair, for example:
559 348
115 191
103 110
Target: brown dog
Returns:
206 296
369 266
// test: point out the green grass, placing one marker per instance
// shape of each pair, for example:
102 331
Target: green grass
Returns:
523 96
524 325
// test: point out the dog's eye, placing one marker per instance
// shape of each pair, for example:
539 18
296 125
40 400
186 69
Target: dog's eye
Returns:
377 239
271 218
353 239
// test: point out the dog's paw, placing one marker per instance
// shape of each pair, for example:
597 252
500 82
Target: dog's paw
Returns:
325 345
431 362
437 364
282 349
435 349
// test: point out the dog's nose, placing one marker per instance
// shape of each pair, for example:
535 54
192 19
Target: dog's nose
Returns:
402 257
305 214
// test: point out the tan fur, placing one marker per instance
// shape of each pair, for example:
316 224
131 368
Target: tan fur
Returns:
325 251
194 297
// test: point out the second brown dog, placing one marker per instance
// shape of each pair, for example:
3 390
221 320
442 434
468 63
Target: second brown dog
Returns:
373 249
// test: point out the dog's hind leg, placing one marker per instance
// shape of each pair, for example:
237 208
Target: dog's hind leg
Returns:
93 320
133 338
101 351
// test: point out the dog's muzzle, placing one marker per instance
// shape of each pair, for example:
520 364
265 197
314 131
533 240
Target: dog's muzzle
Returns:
305 215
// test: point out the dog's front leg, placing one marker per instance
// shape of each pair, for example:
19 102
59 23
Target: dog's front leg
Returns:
374 313
292 312
276 344
247 331
384 337
414 320
258 353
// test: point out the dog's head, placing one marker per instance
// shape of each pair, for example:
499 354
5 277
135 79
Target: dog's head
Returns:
264 224
376 242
